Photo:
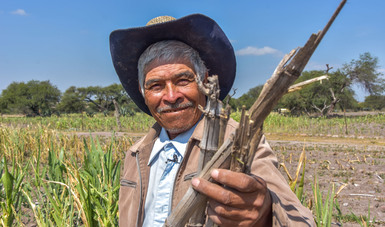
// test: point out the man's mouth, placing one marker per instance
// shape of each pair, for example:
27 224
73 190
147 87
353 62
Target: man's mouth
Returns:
175 108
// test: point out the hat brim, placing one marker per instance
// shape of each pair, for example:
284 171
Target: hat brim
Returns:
198 31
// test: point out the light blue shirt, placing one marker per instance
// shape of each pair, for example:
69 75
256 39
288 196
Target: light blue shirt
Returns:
165 159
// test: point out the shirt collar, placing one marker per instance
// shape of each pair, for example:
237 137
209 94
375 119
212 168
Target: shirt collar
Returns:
178 142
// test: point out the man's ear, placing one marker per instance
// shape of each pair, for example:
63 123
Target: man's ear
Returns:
140 89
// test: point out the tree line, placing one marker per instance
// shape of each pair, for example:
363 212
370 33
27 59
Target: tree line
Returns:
41 98
335 93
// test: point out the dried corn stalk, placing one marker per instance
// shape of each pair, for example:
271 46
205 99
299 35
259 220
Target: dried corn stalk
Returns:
211 136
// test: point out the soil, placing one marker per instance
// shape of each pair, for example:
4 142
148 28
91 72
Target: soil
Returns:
357 165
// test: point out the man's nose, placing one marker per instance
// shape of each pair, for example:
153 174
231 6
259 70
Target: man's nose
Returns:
172 94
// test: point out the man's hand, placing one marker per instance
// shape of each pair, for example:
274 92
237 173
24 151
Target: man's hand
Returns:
243 200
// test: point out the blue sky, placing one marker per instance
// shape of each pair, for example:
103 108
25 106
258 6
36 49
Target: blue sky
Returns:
66 42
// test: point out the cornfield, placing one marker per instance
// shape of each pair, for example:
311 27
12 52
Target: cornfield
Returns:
52 176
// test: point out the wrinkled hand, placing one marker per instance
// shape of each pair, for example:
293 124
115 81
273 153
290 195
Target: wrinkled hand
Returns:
244 200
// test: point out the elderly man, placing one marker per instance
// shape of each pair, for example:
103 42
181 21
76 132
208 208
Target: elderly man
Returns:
158 66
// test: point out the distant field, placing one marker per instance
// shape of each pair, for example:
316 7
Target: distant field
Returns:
355 124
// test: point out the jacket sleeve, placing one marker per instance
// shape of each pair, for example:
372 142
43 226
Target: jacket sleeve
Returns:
287 210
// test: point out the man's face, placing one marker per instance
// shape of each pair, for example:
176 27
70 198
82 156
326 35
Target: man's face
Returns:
172 96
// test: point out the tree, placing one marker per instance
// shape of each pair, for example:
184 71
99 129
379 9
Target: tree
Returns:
96 99
32 98
319 97
324 97
294 102
376 102
364 72
72 101
14 98
100 98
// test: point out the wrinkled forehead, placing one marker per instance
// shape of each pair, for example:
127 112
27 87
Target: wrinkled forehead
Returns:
156 62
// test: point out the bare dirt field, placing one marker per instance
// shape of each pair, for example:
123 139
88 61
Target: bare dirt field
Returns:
357 163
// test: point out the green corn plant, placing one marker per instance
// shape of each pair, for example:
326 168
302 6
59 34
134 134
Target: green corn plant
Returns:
297 188
105 186
323 208
56 165
86 200
96 185
54 204
57 191
10 190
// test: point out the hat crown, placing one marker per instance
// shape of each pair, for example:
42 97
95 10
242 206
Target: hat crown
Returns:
160 19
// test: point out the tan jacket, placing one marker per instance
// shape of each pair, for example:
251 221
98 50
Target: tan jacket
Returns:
287 209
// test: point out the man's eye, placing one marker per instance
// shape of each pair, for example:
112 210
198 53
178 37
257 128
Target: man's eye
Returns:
183 82
154 87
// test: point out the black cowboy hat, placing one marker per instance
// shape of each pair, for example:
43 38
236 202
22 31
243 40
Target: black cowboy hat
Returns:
198 31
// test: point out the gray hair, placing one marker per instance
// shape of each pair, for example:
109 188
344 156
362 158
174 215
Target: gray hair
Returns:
168 51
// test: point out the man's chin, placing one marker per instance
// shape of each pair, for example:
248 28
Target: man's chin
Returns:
175 131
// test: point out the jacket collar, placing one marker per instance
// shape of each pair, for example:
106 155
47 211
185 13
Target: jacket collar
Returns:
197 134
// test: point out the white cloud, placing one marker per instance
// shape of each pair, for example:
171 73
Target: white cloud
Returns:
20 12
257 51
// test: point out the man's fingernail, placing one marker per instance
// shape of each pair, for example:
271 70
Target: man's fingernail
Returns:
215 173
195 182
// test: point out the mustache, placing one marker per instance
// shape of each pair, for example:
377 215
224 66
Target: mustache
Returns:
175 106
